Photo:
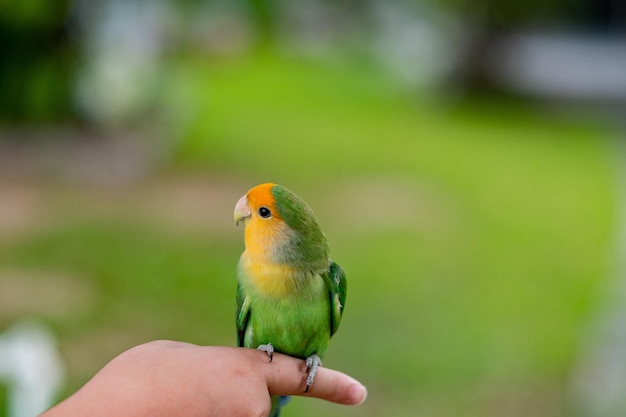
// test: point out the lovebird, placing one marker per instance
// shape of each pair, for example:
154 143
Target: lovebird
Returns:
290 294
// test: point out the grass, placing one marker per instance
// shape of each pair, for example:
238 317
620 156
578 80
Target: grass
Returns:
475 236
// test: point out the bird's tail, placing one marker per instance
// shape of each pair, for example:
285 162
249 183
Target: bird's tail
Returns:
278 401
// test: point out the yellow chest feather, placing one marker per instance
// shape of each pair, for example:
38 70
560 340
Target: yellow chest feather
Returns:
270 279
260 271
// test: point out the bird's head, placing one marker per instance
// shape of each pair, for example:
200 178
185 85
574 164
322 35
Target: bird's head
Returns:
280 226
257 207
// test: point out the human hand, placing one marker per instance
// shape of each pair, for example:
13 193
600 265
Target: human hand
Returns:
180 379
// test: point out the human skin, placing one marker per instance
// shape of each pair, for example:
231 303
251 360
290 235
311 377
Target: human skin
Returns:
168 378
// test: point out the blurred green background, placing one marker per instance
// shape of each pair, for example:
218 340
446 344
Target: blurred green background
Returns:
475 224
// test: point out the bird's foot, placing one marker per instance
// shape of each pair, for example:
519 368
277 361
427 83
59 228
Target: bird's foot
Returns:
267 348
312 362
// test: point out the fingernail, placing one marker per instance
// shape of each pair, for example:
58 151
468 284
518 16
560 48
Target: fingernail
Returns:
357 394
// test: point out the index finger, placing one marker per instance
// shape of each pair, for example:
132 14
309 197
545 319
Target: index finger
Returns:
287 376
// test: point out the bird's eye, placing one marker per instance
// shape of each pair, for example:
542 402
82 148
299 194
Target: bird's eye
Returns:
265 213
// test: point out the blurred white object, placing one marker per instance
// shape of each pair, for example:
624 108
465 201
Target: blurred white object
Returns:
562 65
31 367
123 41
416 41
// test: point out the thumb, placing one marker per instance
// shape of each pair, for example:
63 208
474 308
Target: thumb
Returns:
287 376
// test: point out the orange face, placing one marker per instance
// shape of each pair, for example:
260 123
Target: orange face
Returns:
265 233
264 226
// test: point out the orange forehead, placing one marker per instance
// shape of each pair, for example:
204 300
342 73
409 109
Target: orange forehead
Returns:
260 196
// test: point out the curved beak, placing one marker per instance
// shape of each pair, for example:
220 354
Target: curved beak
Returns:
242 211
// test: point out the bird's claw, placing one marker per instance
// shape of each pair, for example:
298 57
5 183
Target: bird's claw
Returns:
312 362
269 348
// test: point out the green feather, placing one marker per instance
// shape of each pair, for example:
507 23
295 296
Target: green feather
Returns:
337 289
242 314
306 248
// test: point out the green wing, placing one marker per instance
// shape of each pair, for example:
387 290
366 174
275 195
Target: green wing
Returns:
242 315
337 288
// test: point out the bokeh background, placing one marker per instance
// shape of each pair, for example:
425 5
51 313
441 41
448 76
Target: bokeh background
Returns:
464 158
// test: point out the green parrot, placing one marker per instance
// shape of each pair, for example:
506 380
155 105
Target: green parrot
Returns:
290 295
